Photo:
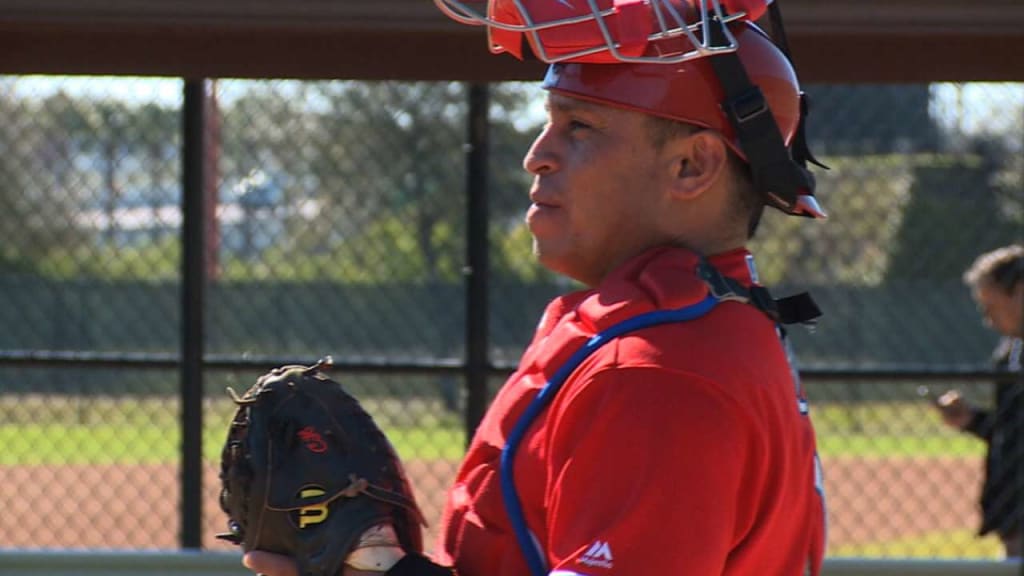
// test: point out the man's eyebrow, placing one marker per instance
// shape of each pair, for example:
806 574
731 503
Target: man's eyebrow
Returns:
567 105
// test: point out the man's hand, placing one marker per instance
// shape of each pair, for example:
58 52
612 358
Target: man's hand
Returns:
270 564
377 551
955 409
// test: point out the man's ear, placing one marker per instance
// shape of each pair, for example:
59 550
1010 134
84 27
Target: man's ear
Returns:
698 161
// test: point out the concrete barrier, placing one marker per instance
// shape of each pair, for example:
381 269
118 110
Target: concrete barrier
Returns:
186 563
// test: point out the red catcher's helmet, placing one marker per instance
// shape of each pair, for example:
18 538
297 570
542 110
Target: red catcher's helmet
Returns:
688 91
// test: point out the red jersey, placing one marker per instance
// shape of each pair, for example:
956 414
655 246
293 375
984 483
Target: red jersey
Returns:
683 448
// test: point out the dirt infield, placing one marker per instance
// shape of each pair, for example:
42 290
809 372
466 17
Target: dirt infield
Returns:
136 507
881 499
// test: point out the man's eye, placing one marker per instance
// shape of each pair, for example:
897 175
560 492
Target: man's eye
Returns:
578 125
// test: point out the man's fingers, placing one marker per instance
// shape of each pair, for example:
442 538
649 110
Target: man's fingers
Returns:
950 398
269 564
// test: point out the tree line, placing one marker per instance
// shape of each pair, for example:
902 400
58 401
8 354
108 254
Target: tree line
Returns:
364 182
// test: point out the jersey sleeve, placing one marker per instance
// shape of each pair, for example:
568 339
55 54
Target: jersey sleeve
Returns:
651 470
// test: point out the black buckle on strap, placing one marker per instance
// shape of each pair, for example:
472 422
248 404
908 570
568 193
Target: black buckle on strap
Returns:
799 309
746 106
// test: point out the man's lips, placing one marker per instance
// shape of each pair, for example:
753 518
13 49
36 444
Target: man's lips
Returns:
543 207
542 200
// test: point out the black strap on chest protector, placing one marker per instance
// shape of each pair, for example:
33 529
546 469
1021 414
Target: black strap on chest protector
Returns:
796 309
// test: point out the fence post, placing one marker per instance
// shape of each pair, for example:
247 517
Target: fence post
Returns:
193 282
477 264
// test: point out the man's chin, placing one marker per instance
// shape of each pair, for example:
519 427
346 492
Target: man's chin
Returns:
547 257
560 263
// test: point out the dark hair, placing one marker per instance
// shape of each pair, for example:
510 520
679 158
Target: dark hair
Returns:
664 130
1002 267
748 203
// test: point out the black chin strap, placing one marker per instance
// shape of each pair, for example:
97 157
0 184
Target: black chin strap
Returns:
778 173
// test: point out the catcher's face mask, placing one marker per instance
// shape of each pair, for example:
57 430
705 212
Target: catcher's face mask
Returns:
700 62
601 31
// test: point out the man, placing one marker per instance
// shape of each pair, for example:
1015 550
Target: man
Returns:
672 435
996 279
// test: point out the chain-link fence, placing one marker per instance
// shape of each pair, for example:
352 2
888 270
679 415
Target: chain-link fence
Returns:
339 227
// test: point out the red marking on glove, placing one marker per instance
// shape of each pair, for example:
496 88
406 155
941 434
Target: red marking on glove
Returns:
313 440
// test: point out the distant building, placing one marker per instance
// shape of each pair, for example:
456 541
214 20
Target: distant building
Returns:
251 217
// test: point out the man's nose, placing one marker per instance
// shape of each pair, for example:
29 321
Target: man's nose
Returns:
540 158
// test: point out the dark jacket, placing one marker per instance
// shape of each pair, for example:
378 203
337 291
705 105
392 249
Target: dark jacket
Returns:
1002 427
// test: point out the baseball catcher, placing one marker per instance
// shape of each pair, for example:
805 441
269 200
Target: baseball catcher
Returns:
306 472
670 125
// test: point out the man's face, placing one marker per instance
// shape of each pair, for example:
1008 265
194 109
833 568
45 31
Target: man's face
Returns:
599 183
1002 311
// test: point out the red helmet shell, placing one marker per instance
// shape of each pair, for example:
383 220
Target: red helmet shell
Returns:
688 91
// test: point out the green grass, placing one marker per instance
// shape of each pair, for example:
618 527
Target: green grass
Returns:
888 429
41 444
890 446
149 444
46 431
37 444
49 430
959 544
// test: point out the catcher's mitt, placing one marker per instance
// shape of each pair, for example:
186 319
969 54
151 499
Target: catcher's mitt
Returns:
306 471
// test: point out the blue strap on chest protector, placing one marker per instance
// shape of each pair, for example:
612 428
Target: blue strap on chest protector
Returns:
530 548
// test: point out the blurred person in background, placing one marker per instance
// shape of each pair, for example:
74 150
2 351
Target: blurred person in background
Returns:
996 280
